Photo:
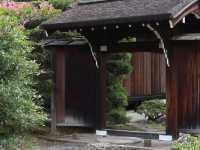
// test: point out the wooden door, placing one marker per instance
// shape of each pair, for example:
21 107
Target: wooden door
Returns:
80 89
183 88
188 69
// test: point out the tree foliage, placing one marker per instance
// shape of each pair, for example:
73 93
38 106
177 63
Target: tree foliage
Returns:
30 17
17 71
22 61
118 66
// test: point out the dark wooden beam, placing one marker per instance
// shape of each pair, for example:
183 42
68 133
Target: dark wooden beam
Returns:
113 35
101 92
53 91
172 97
191 25
60 85
139 46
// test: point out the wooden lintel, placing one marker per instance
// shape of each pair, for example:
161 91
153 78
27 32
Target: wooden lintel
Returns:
140 46
151 46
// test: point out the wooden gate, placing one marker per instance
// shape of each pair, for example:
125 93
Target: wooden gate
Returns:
81 77
184 100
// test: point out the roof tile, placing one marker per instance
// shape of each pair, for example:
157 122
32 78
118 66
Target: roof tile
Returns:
105 12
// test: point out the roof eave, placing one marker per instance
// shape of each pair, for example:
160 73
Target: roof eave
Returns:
93 23
190 8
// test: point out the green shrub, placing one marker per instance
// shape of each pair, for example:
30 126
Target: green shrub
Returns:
188 143
116 94
17 72
118 116
16 143
30 17
118 66
153 109
39 53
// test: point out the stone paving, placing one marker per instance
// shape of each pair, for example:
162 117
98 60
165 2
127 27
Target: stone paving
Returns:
93 142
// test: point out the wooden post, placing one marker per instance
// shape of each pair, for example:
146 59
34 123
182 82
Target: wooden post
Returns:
60 85
101 92
53 108
172 96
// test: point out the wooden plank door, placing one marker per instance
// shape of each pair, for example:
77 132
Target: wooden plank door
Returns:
80 89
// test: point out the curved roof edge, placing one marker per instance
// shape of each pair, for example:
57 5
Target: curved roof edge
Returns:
188 9
175 15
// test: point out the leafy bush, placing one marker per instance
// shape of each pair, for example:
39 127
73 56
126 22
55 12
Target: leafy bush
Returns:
16 143
118 116
39 53
153 109
118 65
188 143
60 4
30 16
17 71
117 95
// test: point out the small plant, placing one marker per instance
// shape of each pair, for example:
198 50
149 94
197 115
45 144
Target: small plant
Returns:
153 109
188 143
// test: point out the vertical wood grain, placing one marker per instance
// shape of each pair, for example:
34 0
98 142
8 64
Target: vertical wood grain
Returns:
60 85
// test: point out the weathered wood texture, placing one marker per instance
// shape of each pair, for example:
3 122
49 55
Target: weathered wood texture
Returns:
183 88
101 92
148 75
84 95
171 95
60 85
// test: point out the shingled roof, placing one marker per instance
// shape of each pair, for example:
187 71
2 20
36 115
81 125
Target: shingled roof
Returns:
119 11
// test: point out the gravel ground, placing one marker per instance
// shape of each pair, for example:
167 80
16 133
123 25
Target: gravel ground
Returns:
101 143
45 145
97 146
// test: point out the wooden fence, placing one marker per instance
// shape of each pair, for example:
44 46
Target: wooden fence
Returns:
148 75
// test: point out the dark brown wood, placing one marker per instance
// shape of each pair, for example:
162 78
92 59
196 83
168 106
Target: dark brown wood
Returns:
53 100
148 75
60 85
172 97
139 46
188 86
183 94
81 95
101 92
